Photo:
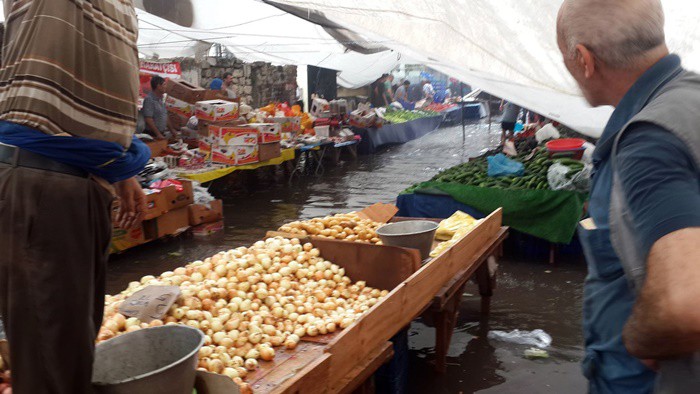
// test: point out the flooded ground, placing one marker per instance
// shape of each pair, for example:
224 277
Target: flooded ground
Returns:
530 294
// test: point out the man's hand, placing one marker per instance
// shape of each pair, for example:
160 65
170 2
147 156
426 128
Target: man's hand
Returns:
132 203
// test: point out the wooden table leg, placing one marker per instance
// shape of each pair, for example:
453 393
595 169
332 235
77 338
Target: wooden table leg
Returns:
353 151
485 282
445 321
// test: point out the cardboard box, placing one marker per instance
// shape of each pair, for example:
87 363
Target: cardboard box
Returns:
246 154
200 213
234 135
319 107
269 151
267 132
289 124
184 91
216 110
178 121
206 229
155 204
235 154
157 147
179 107
126 239
322 131
177 199
174 222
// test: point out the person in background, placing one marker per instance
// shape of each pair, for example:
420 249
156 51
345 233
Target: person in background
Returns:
228 86
154 112
64 153
428 91
641 239
388 92
377 90
402 96
511 112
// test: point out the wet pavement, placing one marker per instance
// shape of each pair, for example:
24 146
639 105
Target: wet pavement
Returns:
529 295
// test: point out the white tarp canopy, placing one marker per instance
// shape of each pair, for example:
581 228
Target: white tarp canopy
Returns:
255 31
506 47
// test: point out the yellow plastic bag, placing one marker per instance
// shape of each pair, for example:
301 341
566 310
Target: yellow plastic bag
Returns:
447 228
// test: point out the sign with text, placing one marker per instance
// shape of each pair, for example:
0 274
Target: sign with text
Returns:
164 69
150 303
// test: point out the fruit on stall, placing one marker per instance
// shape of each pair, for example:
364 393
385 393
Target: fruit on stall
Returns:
343 226
247 301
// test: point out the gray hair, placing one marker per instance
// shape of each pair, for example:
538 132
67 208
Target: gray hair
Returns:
618 32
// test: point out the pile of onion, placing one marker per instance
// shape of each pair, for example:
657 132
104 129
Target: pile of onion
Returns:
345 226
248 301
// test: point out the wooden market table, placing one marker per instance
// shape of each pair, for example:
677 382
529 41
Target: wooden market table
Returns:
343 361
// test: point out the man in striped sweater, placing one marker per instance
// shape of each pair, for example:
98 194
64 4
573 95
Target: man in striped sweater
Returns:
68 94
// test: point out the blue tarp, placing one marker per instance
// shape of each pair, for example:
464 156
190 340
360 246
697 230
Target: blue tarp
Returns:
393 134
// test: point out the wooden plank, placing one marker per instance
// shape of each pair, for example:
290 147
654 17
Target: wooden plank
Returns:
285 367
366 368
375 327
379 212
406 301
312 379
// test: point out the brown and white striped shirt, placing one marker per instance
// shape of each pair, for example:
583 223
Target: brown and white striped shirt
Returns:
70 67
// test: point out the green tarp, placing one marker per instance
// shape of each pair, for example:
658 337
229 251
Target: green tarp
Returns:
548 214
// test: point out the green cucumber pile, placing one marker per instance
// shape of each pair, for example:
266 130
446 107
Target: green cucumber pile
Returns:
474 173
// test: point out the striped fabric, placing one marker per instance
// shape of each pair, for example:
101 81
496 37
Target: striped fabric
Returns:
70 67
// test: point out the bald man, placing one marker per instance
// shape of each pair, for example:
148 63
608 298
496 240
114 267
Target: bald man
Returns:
642 240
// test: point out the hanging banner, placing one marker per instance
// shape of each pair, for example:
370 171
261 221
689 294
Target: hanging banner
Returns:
166 70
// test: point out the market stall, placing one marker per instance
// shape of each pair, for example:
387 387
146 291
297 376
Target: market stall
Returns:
303 312
542 196
469 112
374 138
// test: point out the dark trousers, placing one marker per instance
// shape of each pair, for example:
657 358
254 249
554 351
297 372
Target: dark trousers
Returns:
54 234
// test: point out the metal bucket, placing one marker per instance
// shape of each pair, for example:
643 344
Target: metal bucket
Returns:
416 234
157 360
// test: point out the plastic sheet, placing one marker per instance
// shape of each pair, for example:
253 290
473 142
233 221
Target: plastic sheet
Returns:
537 337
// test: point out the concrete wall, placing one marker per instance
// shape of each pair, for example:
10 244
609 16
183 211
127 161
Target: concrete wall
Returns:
257 84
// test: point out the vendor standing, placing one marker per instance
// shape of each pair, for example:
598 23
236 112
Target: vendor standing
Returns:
67 118
154 112
402 95
228 86
428 91
511 112
641 240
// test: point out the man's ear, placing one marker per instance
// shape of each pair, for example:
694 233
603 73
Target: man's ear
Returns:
585 60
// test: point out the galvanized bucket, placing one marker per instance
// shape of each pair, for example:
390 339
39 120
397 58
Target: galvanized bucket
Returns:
416 234
158 360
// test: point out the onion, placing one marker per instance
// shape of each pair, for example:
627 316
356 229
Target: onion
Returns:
231 373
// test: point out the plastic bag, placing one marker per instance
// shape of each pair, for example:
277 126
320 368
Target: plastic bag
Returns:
447 228
588 153
536 337
547 132
559 178
500 165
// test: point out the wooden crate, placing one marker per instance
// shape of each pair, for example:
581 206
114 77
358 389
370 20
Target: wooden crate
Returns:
333 363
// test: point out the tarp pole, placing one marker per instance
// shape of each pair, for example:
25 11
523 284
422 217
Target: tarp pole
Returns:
461 105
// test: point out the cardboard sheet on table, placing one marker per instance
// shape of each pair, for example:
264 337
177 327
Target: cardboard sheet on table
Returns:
379 212
150 303
380 266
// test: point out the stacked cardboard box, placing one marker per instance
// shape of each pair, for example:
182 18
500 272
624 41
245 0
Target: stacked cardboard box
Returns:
167 213
180 101
233 145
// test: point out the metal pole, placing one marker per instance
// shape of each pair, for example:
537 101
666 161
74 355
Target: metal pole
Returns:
461 106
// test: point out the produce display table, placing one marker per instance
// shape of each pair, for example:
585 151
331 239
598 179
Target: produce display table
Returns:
309 159
348 146
392 134
469 112
203 176
340 362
